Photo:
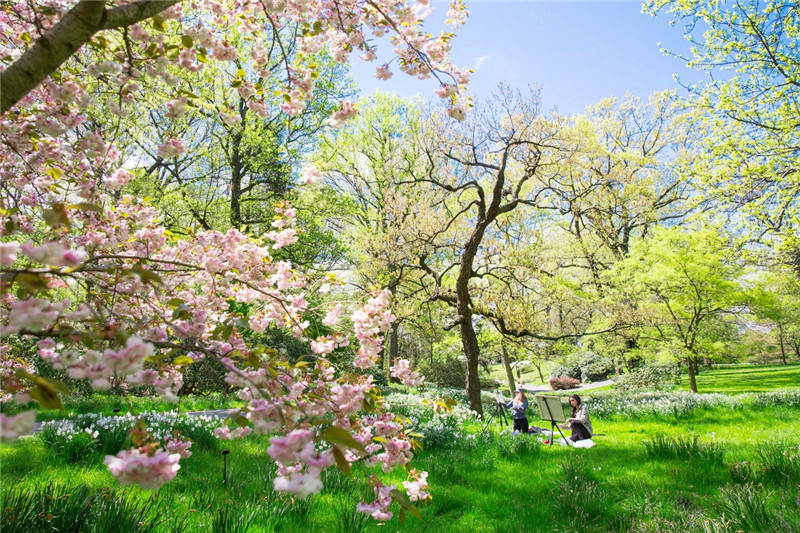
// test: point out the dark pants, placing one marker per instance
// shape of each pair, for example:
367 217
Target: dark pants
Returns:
521 424
579 432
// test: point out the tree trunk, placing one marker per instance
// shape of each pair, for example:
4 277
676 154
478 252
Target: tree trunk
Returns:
691 365
539 370
507 365
780 339
796 346
394 349
236 182
470 342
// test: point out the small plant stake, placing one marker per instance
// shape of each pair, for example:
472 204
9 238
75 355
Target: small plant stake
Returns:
225 467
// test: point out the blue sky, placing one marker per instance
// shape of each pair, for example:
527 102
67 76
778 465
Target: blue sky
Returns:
577 52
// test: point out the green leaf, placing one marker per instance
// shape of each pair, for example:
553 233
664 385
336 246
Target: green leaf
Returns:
183 360
145 275
405 503
341 462
158 22
340 436
175 302
56 217
183 311
46 393
187 41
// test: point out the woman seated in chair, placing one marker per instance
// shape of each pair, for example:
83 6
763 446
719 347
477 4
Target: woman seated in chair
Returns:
578 421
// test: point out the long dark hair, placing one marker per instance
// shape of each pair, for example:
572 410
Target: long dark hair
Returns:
578 400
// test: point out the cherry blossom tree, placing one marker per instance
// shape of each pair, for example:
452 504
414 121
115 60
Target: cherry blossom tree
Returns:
113 296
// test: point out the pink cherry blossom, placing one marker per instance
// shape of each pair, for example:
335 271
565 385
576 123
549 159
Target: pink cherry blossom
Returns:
132 467
12 427
417 488
383 72
225 432
283 238
402 371
8 253
333 315
118 179
310 175
379 508
181 447
345 112
171 148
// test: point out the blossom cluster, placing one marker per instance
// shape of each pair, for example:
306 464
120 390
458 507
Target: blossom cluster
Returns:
149 471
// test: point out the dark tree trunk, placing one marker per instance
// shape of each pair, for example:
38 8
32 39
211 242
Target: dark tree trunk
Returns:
394 349
507 366
236 182
796 346
780 339
469 339
470 342
691 365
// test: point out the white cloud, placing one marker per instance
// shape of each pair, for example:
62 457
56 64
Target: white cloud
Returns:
480 61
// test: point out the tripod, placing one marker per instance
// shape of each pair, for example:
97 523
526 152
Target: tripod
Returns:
498 413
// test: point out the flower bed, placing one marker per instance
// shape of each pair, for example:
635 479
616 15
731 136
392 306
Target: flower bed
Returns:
680 403
88 435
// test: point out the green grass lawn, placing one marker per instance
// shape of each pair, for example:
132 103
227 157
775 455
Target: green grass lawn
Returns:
755 378
490 482
500 483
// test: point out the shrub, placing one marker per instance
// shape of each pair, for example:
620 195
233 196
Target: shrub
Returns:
657 377
659 404
585 366
563 383
445 372
450 372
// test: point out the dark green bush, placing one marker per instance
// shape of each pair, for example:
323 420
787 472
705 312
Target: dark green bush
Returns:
585 366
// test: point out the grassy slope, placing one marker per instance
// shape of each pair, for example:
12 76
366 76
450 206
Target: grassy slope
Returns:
755 378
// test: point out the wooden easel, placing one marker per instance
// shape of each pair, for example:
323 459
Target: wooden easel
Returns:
551 418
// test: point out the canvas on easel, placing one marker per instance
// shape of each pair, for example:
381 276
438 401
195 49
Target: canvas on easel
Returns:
551 409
